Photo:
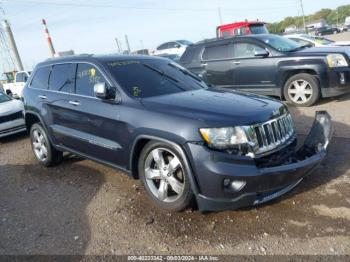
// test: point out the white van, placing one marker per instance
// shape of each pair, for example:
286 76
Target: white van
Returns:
347 21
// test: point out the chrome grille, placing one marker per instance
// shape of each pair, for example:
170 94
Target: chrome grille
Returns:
269 135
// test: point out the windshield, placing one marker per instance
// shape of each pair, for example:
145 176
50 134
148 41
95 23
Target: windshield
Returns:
184 42
318 39
258 29
281 43
151 77
4 98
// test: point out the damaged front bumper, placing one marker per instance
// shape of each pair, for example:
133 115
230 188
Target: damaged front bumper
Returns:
218 173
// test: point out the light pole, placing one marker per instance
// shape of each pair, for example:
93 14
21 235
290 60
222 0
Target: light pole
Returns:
302 13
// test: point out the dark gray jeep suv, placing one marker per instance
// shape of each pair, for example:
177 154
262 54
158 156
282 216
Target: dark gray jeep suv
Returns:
160 123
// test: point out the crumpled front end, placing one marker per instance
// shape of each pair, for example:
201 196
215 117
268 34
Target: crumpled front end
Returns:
230 182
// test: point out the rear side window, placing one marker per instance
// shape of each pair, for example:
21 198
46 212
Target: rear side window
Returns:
62 78
87 77
217 52
41 78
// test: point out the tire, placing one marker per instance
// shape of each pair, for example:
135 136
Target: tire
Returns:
166 183
44 152
302 90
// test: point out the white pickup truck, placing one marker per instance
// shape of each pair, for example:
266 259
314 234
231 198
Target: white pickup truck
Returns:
14 87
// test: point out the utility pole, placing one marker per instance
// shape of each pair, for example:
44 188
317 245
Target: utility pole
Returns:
118 45
302 13
48 37
127 43
220 17
337 17
12 44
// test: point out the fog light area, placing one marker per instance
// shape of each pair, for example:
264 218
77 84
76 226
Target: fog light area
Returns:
235 185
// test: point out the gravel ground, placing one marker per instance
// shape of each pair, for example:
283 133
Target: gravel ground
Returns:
81 207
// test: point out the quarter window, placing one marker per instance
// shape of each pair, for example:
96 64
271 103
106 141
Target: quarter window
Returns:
41 78
62 78
87 77
246 50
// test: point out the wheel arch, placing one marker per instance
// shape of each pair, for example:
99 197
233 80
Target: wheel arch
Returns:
31 118
290 73
139 144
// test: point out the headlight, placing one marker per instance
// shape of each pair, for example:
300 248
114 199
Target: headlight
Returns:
336 60
224 138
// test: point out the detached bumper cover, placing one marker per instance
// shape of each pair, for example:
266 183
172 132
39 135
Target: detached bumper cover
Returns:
262 184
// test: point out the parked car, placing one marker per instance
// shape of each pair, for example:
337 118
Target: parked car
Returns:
271 65
15 87
177 47
175 58
160 123
11 116
326 30
317 41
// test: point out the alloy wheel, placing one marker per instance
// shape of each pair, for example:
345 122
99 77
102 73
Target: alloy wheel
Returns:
300 91
164 175
39 145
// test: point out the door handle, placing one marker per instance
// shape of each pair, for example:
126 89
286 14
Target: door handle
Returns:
42 97
236 62
204 64
74 103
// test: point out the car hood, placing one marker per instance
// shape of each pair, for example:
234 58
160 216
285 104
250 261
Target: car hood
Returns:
340 43
11 106
324 50
216 106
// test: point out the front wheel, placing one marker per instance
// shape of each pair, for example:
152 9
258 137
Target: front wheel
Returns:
44 152
164 176
302 90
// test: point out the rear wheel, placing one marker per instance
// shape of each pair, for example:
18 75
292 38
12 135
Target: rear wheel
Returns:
302 90
163 174
44 152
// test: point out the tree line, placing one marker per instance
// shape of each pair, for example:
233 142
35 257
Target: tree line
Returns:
332 17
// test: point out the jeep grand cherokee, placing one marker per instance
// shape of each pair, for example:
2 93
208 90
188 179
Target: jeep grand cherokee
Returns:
160 123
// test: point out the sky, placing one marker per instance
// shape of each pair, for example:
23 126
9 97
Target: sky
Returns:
91 26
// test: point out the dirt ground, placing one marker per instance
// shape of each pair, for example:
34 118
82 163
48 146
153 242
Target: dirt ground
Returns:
81 207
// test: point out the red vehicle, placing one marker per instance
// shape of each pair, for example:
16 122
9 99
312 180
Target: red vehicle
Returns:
241 28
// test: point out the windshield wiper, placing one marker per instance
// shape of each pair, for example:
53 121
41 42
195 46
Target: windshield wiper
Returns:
162 73
300 47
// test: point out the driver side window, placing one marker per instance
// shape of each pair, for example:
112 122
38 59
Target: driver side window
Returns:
246 50
87 76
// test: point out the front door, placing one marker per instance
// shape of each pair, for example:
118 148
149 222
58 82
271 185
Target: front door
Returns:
88 125
251 72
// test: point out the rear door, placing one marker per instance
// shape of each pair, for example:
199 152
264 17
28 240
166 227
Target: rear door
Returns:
251 72
217 63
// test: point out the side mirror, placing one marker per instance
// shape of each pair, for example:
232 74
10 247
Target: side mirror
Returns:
102 91
177 46
262 53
